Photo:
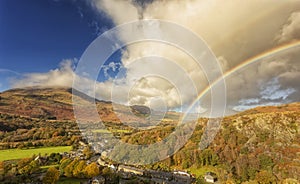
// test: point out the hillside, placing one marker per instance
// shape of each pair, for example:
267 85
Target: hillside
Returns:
268 109
263 142
56 104
266 140
45 103
253 145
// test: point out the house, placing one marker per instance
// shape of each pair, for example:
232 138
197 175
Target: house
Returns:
210 177
129 169
112 167
102 162
104 154
83 144
158 174
182 173
98 180
95 181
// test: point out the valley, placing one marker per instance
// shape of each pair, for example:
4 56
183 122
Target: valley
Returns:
38 129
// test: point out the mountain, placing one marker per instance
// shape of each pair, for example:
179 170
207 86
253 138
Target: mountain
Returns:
31 117
267 109
261 145
141 110
263 138
56 104
263 142
48 103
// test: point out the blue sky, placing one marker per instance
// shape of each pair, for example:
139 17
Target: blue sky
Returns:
41 40
36 35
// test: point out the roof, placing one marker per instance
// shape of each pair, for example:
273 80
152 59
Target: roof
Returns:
214 175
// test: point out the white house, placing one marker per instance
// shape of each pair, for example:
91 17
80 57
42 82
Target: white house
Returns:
210 177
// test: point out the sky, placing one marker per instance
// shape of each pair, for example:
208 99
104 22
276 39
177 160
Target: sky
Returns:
35 35
42 41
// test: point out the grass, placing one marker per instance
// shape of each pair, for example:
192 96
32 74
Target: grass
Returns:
13 154
111 131
48 166
201 171
64 180
101 131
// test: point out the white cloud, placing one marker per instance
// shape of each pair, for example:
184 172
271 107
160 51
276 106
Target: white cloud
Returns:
241 108
272 91
112 66
249 101
63 76
79 11
272 81
234 34
122 10
291 30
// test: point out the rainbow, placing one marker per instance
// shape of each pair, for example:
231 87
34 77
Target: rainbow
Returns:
246 63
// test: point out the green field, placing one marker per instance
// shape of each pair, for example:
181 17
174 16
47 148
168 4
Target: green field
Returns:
63 180
111 131
201 171
48 166
12 154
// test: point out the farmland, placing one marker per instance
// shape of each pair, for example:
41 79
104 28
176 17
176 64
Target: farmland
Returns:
12 154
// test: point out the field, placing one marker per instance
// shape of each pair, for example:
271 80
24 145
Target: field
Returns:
63 180
12 154
201 171
111 131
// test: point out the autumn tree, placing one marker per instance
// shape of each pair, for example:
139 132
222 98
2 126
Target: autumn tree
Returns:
208 157
265 177
68 171
78 171
92 170
30 168
87 152
266 162
289 181
1 170
51 176
1 167
63 164
23 162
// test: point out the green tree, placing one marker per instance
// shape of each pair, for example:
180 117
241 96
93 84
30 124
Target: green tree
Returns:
266 162
30 168
214 159
251 172
208 157
106 171
265 177
51 176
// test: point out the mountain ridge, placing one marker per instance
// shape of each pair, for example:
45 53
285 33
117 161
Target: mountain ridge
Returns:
36 101
56 103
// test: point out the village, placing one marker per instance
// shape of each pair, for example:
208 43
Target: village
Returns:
127 172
